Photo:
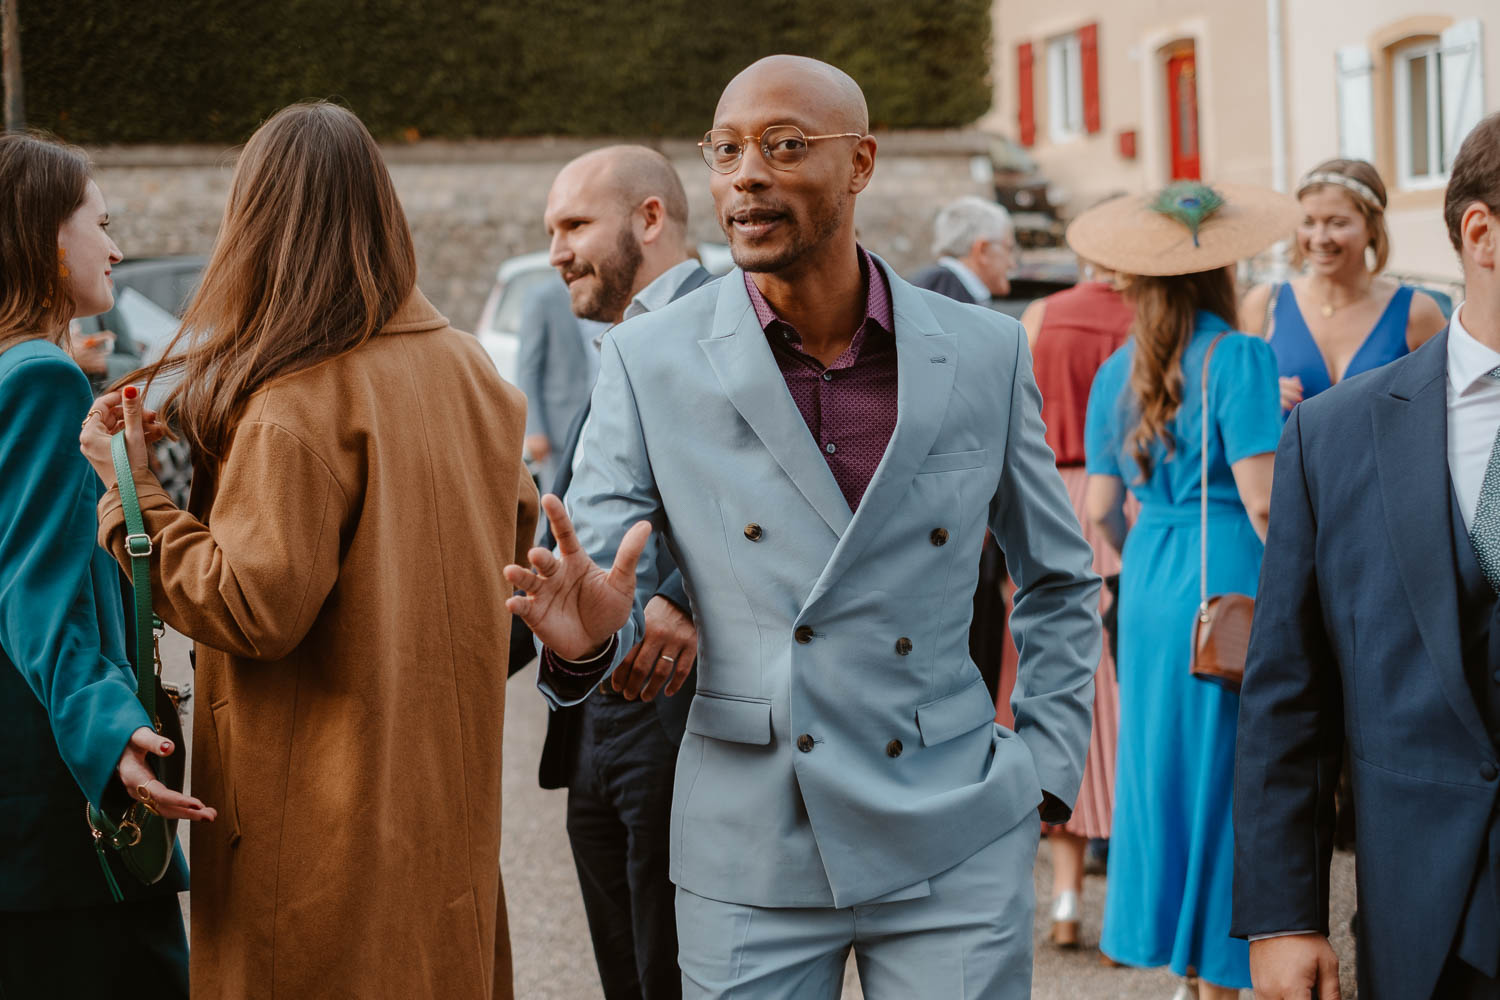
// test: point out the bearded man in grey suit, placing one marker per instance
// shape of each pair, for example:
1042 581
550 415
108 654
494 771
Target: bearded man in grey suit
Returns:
822 447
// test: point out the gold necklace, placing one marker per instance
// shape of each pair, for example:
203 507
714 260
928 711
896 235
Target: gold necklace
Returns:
1328 308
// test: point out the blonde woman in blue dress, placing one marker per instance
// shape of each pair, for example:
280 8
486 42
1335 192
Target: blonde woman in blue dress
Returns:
1171 849
1340 316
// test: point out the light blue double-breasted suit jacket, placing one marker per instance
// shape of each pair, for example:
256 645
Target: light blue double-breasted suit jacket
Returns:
822 765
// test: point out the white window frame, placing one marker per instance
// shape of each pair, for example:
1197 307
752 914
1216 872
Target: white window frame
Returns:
1439 158
1065 87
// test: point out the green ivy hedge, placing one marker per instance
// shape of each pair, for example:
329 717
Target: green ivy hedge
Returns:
211 70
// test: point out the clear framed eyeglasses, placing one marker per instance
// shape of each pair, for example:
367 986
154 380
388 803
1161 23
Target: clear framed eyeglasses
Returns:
783 146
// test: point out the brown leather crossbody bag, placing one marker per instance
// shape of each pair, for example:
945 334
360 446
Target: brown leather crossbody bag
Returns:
1221 629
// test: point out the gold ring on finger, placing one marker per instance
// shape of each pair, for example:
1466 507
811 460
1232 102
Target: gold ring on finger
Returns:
664 656
91 415
144 796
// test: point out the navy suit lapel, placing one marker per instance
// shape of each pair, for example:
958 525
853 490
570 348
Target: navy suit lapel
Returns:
926 364
742 360
1411 459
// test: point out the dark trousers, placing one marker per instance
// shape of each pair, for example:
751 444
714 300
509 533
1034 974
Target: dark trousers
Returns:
1461 981
619 818
125 950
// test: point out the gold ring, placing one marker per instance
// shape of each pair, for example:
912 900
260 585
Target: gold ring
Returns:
91 415
144 796
664 656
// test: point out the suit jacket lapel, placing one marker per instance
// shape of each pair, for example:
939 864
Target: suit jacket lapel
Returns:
742 360
1411 457
926 363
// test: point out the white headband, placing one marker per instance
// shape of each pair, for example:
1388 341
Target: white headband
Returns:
1363 191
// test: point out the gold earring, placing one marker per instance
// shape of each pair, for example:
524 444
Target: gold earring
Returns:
62 265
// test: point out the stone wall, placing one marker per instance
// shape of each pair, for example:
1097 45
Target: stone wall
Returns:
472 205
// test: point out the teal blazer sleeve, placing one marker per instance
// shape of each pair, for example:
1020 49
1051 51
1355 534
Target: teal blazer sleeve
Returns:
61 613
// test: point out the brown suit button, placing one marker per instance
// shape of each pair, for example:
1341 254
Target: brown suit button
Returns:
903 646
804 634
939 536
805 743
893 748
753 531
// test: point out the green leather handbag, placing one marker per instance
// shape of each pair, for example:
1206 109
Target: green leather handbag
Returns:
142 840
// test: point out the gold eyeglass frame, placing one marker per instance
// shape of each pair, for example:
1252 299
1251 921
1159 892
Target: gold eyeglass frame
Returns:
706 145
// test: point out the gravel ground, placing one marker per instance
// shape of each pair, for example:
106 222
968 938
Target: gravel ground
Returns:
549 935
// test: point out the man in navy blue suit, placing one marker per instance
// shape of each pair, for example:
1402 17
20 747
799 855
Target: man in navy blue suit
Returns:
1377 626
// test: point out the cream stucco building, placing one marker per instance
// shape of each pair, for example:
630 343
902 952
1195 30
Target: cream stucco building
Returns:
1127 95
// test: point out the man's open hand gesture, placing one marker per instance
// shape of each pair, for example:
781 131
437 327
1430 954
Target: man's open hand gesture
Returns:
571 603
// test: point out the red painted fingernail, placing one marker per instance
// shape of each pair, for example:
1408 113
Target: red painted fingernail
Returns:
131 392
166 747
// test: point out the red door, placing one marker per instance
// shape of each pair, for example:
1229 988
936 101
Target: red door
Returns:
1182 112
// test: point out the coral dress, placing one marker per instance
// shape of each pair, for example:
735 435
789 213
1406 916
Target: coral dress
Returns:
1081 328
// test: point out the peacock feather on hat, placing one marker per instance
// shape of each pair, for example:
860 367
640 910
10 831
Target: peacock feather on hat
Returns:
1187 202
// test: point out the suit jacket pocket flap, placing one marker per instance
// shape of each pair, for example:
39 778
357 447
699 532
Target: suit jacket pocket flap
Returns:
963 711
953 461
730 719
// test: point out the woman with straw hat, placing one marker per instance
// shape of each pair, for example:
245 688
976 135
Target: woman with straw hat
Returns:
1147 429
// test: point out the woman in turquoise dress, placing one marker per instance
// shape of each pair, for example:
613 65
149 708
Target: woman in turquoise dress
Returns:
1340 317
1171 855
71 728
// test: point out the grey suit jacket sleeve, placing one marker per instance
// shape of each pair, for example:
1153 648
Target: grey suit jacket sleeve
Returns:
1056 616
614 488
1291 731
531 364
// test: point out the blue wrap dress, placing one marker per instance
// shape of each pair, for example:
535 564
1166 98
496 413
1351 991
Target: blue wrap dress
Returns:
1171 853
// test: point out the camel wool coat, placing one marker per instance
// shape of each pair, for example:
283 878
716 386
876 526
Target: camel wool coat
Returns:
342 580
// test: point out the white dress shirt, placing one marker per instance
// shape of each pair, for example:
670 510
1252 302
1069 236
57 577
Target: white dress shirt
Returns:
1473 413
972 283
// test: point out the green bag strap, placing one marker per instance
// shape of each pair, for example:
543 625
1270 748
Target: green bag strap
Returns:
138 545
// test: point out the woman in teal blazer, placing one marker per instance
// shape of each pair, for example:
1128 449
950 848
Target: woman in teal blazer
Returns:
70 724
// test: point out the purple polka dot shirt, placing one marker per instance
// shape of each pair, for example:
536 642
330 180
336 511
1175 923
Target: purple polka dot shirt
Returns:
849 406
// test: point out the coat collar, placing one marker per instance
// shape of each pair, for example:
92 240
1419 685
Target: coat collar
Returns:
415 315
1411 459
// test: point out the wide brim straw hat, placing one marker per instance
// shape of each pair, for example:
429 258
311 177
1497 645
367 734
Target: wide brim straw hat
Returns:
1185 228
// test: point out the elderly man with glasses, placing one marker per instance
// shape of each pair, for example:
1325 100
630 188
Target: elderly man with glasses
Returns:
823 446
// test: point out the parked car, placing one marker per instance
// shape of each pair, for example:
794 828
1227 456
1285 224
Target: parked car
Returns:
500 322
151 294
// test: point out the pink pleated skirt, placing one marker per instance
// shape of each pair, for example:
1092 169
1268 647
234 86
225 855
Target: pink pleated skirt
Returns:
1095 805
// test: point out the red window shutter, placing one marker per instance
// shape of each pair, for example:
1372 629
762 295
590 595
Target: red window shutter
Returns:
1088 46
1026 95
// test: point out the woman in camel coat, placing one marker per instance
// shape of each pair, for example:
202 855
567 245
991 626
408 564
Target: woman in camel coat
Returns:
359 490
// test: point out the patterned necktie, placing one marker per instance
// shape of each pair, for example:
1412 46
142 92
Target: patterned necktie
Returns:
1484 533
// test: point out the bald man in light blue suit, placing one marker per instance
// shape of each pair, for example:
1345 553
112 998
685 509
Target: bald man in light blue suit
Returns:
842 783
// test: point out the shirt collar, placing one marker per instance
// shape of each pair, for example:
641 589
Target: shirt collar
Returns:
878 307
972 284
662 289
1469 361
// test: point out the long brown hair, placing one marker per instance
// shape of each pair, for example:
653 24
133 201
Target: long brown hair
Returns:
314 256
1165 317
42 183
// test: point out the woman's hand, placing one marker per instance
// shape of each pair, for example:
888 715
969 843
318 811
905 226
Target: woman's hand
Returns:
109 414
1291 391
144 786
